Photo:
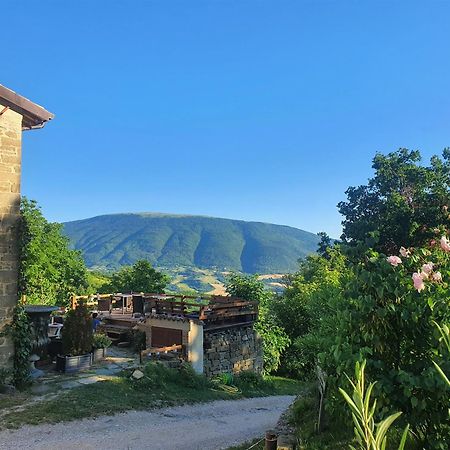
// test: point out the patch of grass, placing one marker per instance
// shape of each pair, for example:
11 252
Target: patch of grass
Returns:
335 434
287 386
159 387
10 401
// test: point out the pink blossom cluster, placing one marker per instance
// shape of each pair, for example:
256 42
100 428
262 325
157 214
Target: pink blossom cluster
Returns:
394 260
445 244
426 273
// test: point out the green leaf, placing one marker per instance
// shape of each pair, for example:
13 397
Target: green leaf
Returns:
403 440
383 427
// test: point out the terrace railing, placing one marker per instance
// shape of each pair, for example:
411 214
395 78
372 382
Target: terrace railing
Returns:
214 310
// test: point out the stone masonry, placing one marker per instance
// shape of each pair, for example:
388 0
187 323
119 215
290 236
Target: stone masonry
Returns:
232 350
10 157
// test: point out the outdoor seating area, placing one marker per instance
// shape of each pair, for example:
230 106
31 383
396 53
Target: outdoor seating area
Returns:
213 310
175 326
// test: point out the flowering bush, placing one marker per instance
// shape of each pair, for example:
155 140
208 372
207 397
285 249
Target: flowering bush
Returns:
388 319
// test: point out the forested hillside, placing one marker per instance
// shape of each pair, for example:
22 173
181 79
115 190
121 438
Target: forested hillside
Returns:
167 240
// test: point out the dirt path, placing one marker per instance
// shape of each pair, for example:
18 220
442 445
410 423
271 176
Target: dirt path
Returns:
207 426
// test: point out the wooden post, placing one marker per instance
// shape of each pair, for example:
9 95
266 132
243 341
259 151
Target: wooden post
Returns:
271 440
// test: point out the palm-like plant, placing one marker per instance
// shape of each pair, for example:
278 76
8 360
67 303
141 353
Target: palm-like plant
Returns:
445 333
368 434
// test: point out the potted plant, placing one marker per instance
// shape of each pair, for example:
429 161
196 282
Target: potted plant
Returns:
77 339
99 345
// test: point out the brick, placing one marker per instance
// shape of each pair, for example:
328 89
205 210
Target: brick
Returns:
9 141
10 159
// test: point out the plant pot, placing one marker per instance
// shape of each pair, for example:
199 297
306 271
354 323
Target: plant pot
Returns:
98 354
71 364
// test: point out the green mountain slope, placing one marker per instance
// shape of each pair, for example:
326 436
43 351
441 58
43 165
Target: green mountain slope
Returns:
189 241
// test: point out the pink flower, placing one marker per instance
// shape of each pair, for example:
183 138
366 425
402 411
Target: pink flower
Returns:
445 244
405 252
437 276
418 281
428 268
394 260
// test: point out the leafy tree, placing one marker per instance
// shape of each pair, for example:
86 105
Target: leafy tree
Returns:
98 282
307 310
140 277
403 202
324 244
49 270
275 339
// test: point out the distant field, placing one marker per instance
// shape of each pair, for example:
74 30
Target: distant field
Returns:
207 281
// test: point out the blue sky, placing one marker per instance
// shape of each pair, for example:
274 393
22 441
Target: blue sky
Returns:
255 110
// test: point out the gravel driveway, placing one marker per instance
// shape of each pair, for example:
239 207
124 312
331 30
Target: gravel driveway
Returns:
207 426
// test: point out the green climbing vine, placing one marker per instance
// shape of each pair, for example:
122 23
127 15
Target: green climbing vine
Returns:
21 336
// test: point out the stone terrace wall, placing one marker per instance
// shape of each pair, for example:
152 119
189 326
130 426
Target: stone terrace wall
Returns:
232 350
10 158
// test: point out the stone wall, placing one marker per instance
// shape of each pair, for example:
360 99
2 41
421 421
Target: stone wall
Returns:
232 350
10 158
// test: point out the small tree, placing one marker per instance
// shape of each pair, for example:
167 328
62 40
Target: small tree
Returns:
49 270
324 244
140 277
77 334
275 339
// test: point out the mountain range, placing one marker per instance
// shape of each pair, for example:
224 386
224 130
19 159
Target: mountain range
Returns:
168 240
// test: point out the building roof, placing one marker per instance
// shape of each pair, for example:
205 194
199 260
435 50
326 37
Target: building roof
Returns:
34 116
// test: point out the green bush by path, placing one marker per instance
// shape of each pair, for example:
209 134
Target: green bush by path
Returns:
274 337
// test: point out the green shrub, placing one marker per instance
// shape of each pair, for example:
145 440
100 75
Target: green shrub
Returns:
101 340
307 311
249 379
190 378
274 337
77 334
159 375
21 336
251 383
391 323
20 332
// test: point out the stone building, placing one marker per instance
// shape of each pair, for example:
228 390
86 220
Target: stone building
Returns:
17 114
215 334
